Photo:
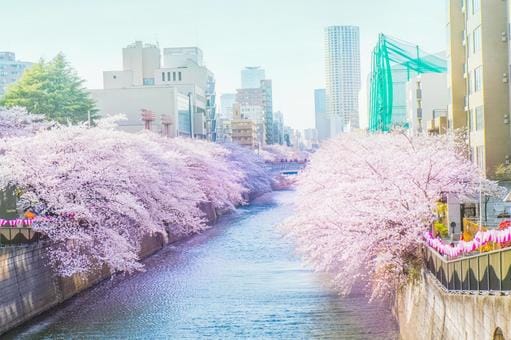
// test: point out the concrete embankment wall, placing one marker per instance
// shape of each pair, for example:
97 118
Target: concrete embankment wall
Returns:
426 311
29 286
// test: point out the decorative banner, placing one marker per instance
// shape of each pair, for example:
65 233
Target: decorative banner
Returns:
16 222
462 247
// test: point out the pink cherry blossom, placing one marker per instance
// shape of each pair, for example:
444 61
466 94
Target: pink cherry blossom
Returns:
365 201
102 190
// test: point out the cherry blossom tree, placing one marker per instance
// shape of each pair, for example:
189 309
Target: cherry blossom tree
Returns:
276 153
98 191
256 176
17 121
365 200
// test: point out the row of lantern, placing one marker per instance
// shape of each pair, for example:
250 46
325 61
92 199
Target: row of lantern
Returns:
481 238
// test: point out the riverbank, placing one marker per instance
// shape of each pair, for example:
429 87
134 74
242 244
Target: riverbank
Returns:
29 286
240 279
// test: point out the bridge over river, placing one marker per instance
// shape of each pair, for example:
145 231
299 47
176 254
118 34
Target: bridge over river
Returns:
240 279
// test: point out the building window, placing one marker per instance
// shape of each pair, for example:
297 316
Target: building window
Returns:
480 156
174 76
148 81
478 79
179 75
114 76
163 76
476 4
479 113
476 46
469 120
168 76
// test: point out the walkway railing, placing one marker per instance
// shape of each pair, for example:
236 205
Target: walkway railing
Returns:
17 236
489 271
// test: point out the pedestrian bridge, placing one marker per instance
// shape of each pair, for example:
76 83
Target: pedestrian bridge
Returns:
287 168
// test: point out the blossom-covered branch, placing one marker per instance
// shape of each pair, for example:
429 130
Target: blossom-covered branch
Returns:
105 189
365 201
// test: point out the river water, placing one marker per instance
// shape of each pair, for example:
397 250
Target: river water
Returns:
240 279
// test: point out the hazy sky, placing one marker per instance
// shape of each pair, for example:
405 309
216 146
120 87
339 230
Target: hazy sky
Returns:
283 36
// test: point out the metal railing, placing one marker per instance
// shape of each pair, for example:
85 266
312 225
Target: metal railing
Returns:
490 272
17 236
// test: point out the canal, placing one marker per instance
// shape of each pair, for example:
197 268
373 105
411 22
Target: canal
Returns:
240 279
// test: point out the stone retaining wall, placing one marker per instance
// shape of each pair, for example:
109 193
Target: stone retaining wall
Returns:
425 311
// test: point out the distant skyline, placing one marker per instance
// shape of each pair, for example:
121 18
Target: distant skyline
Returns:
284 37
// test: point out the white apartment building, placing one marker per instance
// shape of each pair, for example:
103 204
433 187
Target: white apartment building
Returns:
342 73
181 92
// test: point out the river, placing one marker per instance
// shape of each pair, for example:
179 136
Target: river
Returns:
240 279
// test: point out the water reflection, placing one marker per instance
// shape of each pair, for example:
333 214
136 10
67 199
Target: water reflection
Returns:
238 280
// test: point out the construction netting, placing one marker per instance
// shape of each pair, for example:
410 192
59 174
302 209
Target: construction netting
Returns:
394 63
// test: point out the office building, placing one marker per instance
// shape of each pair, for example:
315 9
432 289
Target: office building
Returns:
10 70
252 105
244 130
266 87
342 73
227 101
178 56
322 122
310 139
278 128
251 77
182 91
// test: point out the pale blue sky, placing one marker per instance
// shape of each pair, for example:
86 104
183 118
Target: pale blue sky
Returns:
283 36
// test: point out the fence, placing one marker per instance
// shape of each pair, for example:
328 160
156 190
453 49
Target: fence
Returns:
489 271
16 236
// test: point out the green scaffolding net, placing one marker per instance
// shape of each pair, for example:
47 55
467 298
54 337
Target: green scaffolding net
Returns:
394 63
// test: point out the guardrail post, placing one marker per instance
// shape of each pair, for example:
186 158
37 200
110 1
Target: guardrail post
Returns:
478 275
468 275
488 271
500 269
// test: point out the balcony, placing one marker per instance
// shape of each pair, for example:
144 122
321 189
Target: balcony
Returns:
437 125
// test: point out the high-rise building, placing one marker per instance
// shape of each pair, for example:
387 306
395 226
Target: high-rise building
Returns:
10 70
478 80
227 101
179 56
320 115
251 77
342 71
266 87
256 90
310 139
278 128
252 105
